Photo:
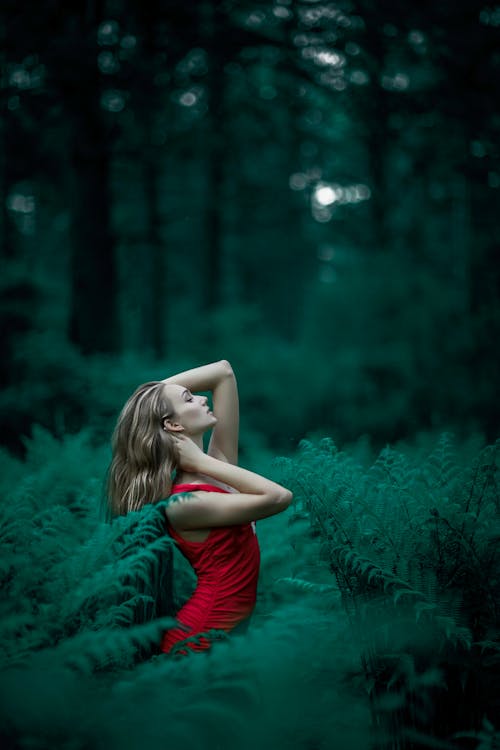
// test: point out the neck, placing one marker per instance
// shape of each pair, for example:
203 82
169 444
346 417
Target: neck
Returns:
197 440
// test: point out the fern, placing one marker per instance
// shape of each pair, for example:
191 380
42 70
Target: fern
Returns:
411 546
106 648
407 545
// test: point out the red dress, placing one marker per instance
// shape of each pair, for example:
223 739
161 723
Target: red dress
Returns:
227 566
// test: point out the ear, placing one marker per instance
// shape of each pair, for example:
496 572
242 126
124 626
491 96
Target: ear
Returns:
171 426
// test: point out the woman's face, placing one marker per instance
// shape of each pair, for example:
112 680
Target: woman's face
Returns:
191 411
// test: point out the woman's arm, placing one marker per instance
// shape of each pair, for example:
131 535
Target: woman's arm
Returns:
219 378
258 497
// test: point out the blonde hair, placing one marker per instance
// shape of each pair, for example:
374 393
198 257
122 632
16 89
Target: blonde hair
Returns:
144 454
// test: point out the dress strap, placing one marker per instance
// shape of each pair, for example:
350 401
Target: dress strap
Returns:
193 487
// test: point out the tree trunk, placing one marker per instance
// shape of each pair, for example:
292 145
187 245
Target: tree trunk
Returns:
14 162
149 100
93 319
157 256
93 325
374 109
212 32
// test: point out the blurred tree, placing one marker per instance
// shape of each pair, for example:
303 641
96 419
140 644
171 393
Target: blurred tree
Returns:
214 29
323 172
148 102
93 322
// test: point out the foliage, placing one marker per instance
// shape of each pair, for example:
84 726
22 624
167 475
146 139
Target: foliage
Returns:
84 606
377 599
69 574
161 175
413 546
307 189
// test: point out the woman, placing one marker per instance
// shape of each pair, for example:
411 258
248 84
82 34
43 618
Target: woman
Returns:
160 430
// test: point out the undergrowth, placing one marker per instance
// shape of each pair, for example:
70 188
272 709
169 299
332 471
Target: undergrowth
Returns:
378 608
413 547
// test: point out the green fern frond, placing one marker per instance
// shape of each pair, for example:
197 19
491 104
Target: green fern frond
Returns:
308 586
91 651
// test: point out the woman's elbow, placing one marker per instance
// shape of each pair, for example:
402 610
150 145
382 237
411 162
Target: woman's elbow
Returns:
285 498
276 502
226 366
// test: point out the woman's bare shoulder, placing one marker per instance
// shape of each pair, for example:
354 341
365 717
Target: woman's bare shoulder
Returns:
184 507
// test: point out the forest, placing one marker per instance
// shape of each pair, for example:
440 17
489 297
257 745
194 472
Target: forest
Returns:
308 189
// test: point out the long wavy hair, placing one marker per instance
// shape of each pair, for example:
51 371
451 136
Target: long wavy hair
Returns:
144 455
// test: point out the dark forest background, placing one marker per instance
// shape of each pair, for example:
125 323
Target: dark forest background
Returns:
308 189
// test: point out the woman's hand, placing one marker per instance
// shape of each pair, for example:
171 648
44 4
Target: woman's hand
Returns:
190 456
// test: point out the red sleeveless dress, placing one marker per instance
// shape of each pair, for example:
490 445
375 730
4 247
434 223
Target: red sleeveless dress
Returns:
227 566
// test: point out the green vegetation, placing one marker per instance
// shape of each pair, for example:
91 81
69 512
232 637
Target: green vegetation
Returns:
376 625
308 188
412 541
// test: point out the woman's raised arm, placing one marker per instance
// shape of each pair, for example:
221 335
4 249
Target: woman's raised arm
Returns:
219 378
257 497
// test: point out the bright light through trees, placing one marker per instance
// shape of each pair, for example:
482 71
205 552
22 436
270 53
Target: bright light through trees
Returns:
325 195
